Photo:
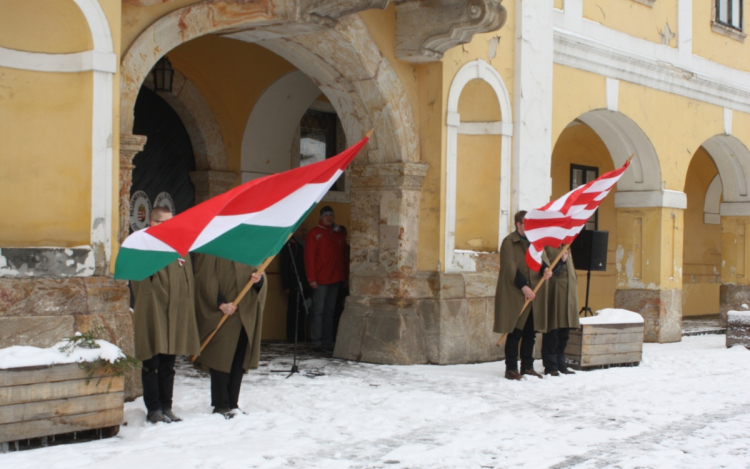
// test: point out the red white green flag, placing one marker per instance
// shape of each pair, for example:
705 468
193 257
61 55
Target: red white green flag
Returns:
246 224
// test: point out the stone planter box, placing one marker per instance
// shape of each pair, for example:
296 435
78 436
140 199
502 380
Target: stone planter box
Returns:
738 328
41 401
604 344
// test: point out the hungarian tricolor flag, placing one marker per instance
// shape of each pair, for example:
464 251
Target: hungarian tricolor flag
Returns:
246 224
560 221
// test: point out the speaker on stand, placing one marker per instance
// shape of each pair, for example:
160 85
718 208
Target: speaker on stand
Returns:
589 251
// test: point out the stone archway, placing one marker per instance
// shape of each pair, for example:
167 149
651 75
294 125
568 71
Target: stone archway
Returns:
343 61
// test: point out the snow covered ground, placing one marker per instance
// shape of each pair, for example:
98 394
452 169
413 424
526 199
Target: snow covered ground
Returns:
687 405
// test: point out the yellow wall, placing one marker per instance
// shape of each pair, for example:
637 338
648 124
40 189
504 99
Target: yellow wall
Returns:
45 158
716 46
676 126
735 250
635 18
496 48
46 125
649 248
431 145
579 144
478 172
575 92
702 257
49 26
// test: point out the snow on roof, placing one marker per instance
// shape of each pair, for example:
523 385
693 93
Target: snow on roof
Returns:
20 356
614 316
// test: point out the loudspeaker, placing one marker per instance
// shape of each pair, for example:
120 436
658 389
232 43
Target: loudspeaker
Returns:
589 250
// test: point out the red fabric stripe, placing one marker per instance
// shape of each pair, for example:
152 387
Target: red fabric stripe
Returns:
181 231
576 198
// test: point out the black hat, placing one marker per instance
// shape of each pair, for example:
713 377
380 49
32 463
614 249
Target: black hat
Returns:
327 210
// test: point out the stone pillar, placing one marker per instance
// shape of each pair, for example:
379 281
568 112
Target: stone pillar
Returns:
211 183
649 269
380 323
130 145
735 264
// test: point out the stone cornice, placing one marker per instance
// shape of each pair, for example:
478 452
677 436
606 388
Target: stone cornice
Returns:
583 53
426 29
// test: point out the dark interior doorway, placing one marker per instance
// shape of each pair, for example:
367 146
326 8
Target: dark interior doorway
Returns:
165 163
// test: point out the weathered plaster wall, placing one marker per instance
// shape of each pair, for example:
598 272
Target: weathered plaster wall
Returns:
715 46
579 144
432 146
497 48
56 27
702 258
676 126
657 23
135 19
575 92
45 158
478 168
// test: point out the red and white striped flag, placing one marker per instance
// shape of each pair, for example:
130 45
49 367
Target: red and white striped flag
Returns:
560 221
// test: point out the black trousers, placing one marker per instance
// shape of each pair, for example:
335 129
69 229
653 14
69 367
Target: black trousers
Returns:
157 376
526 337
225 387
295 315
553 349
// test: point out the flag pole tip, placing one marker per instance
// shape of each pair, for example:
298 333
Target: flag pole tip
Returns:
369 134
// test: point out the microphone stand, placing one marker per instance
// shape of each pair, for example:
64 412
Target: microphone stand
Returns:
300 293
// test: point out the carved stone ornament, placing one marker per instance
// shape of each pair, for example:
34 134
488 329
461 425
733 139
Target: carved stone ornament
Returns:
327 12
425 29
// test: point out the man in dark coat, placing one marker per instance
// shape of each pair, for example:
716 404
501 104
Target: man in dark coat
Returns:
514 286
292 275
236 346
164 326
563 314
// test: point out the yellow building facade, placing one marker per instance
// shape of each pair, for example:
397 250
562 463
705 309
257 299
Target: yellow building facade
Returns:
480 108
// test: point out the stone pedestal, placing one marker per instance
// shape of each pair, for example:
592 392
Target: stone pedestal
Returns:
731 298
661 311
649 274
42 311
211 183
395 314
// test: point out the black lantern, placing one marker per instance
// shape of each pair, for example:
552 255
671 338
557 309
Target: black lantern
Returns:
163 73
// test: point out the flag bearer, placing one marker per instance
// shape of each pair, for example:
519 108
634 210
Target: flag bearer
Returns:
562 314
515 285
164 326
236 346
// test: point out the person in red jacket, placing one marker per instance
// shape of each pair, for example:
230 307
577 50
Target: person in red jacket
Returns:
326 271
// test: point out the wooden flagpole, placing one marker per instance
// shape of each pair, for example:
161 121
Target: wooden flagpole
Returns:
236 302
536 289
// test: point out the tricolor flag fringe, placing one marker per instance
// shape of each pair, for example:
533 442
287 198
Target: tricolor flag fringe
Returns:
560 221
246 224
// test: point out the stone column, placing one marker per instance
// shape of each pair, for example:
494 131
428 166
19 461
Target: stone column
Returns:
130 145
735 264
211 183
649 248
380 323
